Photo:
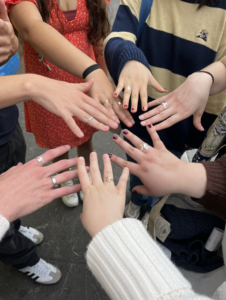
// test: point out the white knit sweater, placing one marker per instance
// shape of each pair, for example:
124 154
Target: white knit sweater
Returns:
129 265
4 226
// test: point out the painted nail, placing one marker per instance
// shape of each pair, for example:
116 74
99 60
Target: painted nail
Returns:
145 107
134 192
125 131
115 137
110 155
133 108
115 94
149 125
125 105
165 90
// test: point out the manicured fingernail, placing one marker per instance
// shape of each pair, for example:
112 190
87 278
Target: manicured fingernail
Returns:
165 90
141 117
133 108
115 137
110 155
143 123
134 192
145 107
149 125
115 94
125 105
80 134
125 131
68 147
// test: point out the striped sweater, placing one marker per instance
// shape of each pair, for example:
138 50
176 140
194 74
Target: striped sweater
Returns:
178 39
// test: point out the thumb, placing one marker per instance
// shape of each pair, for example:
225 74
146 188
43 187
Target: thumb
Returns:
3 11
156 85
141 189
84 87
197 120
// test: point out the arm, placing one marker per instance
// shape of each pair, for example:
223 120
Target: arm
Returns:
118 243
8 40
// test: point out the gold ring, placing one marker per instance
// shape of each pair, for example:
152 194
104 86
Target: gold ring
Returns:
106 101
119 103
108 179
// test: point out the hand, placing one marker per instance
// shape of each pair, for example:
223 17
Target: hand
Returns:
102 90
137 76
8 40
104 202
161 172
26 188
189 98
67 100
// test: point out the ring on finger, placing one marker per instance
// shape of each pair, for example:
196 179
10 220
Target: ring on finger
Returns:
108 179
144 147
90 118
106 101
164 104
40 159
54 181
128 88
119 103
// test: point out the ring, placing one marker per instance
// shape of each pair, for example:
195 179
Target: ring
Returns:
40 159
164 104
90 118
106 101
128 88
144 147
119 103
54 181
108 179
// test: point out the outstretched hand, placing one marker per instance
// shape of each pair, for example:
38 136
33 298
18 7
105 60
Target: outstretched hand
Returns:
26 188
104 202
188 99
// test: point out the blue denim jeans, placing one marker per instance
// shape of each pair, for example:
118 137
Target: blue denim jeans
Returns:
139 199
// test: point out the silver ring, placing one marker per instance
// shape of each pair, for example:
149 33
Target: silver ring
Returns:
128 88
119 103
164 104
90 118
54 181
40 159
144 147
106 101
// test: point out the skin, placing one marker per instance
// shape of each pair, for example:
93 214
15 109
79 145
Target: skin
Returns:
33 187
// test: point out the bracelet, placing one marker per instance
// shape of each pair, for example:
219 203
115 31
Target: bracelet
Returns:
90 70
207 73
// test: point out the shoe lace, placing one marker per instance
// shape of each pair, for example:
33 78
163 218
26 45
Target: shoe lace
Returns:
41 269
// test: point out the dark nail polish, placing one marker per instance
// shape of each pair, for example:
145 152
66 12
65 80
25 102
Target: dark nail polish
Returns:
133 108
115 137
149 125
125 105
110 155
125 131
134 192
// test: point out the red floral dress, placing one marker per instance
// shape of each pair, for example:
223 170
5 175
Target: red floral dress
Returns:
51 131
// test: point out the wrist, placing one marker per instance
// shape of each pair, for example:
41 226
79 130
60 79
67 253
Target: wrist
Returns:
94 74
202 77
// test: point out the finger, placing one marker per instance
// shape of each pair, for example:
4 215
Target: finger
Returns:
141 189
66 176
107 170
108 106
86 86
119 88
156 85
158 144
163 115
134 98
3 11
133 167
169 122
153 112
122 184
61 192
197 120
144 98
94 169
137 142
82 174
126 95
48 156
73 126
123 114
61 166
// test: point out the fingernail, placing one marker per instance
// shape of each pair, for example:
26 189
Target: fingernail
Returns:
81 158
145 107
129 124
115 125
165 90
125 131
141 117
80 134
115 137
143 123
134 192
110 155
133 108
125 105
105 127
68 147
115 94
149 125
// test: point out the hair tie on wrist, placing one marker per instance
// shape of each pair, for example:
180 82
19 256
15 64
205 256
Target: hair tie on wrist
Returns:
207 73
90 70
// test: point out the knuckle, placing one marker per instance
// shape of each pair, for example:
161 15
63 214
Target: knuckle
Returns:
125 164
130 151
162 114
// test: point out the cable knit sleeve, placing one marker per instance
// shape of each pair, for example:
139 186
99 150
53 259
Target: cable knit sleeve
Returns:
215 198
129 265
4 226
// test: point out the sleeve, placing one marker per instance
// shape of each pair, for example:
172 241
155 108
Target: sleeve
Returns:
8 3
129 265
120 45
215 197
4 226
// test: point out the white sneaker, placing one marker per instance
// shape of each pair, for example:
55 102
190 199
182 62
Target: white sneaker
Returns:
32 234
81 192
132 211
72 199
145 220
43 272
